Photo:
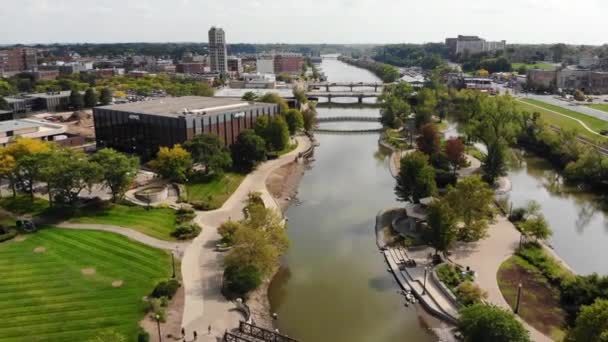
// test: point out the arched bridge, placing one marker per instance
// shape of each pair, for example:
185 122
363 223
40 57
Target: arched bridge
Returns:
360 95
351 85
348 118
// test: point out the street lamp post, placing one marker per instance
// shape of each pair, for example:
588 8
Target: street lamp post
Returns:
518 298
424 285
160 339
173 261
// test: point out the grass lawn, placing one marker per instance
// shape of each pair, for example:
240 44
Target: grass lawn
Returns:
156 222
47 296
599 106
290 147
539 305
551 118
215 191
541 66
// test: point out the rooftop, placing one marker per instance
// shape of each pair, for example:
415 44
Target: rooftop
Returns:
178 106
12 125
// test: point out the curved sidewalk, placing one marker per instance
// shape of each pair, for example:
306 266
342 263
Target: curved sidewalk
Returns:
202 266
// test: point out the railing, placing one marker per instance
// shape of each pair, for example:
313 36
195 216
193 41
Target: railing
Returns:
263 334
349 118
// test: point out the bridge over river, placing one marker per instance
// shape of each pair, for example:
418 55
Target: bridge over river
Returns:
351 85
348 119
360 95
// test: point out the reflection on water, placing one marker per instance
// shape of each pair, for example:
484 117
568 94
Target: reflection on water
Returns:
334 285
578 219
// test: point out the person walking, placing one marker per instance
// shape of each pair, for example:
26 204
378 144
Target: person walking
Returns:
194 333
209 330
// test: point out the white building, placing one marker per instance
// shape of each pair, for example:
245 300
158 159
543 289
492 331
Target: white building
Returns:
259 81
265 64
30 129
473 45
218 54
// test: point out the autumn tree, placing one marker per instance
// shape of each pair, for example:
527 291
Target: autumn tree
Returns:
23 160
429 142
117 171
454 150
173 163
416 178
471 199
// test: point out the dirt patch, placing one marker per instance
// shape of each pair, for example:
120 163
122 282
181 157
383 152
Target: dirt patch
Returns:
88 271
40 249
117 283
283 183
20 238
173 324
259 305
539 304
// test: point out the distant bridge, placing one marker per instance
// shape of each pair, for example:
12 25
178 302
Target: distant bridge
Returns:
351 85
349 118
360 95
348 131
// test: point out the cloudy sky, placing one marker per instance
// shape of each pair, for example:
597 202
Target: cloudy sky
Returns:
303 21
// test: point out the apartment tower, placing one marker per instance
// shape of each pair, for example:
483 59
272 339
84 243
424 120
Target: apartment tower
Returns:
217 50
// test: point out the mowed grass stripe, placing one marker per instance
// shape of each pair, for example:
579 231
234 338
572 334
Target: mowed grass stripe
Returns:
58 302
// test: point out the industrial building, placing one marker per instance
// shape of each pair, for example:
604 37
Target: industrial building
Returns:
143 127
472 45
50 101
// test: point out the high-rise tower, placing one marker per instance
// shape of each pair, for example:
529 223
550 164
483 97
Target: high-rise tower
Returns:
217 50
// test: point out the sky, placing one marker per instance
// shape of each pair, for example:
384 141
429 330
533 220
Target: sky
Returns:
303 21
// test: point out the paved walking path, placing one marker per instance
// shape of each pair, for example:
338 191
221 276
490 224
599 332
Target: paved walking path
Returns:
566 116
202 265
486 256
178 247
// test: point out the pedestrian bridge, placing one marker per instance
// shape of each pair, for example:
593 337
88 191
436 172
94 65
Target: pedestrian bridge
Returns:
360 95
351 85
349 118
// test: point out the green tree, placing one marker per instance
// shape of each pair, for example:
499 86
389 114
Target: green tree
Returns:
591 323
427 106
488 323
309 119
173 163
416 178
25 157
295 120
106 96
90 98
471 200
76 100
248 150
249 96
227 230
208 150
277 134
117 169
239 280
275 98
536 227
441 234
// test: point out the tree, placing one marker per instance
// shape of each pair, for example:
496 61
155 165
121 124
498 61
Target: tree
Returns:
471 200
227 230
309 118
76 100
239 280
416 178
427 105
106 96
489 323
454 150
173 163
67 172
249 96
208 150
275 98
117 169
3 104
252 248
23 160
442 226
277 134
591 323
469 293
536 227
294 120
248 150
428 142
394 104
579 95
90 98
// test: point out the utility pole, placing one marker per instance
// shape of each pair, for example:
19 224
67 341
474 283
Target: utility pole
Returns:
518 298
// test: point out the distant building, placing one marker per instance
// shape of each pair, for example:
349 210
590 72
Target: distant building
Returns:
265 64
259 81
478 83
49 101
542 79
472 45
191 68
588 61
218 54
569 79
288 63
16 60
143 127
235 66
30 129
46 74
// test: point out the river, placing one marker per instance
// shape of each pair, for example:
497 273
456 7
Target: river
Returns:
334 285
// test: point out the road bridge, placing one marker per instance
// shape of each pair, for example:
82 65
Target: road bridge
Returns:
359 95
349 118
351 85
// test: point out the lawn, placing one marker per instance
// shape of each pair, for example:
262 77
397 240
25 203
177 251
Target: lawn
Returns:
599 106
290 147
155 222
214 192
539 305
68 290
554 119
541 66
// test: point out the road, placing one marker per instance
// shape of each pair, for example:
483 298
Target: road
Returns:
550 99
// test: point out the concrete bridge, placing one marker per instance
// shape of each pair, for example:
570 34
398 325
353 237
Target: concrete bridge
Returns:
351 85
338 94
349 118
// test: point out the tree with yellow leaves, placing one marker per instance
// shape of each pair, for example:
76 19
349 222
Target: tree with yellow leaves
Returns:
23 159
173 163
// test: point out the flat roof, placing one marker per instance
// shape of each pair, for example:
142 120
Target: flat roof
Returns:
63 93
11 125
176 106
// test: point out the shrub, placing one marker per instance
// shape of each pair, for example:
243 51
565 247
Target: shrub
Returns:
227 231
240 280
517 214
11 233
185 215
451 275
202 205
481 322
166 288
444 178
186 231
142 335
469 293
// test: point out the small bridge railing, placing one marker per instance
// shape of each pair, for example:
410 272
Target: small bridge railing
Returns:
263 334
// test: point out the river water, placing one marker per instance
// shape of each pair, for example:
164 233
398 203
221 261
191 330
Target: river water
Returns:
334 285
